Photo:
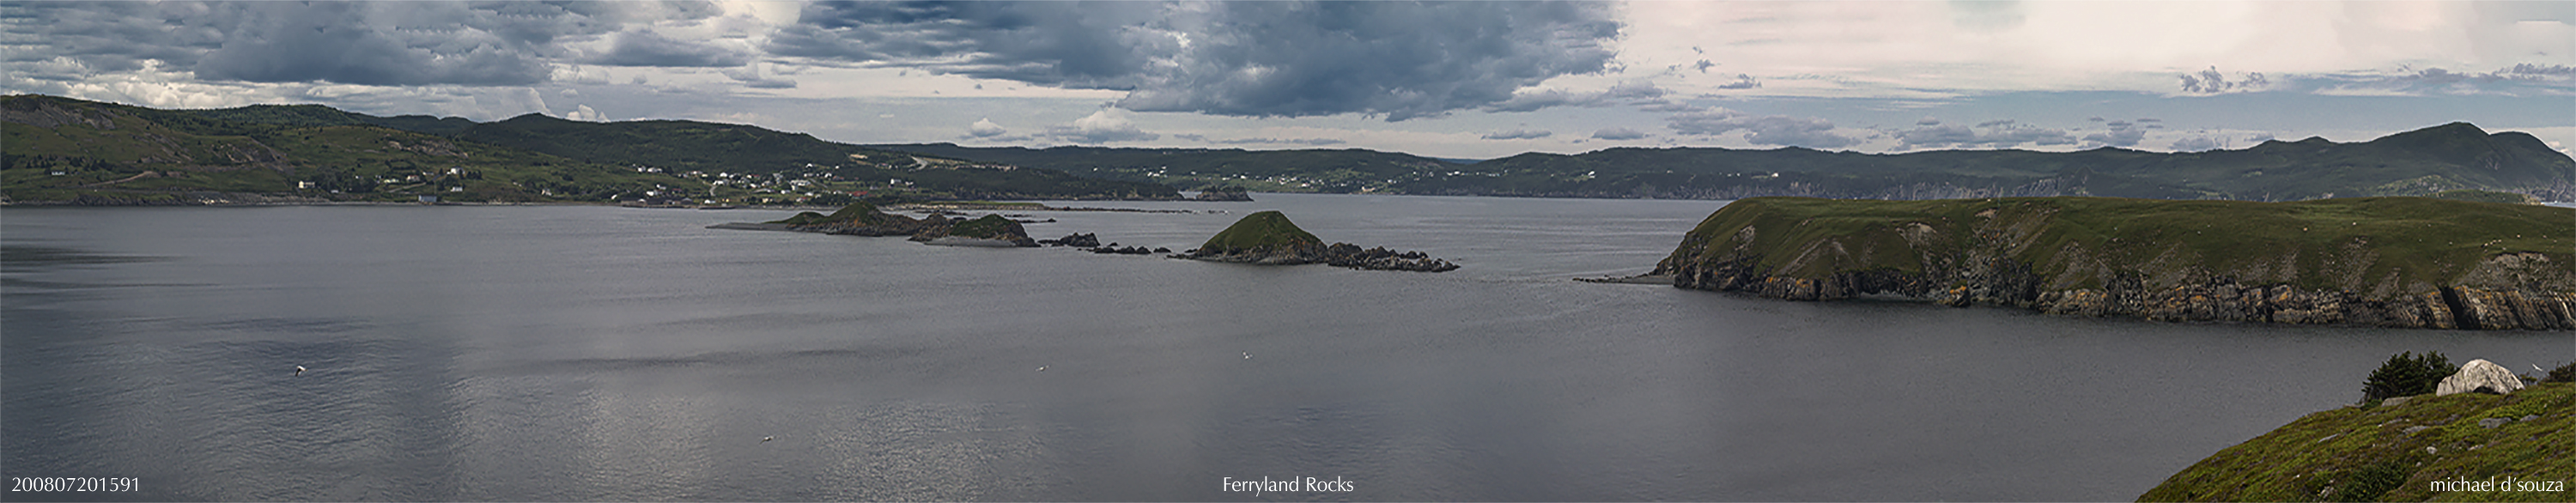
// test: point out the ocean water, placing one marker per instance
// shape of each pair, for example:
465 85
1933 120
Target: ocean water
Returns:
596 353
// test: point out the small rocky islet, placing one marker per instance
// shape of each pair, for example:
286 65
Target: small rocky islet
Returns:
863 219
1268 238
1265 238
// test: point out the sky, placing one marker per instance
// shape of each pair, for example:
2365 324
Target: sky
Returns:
1463 80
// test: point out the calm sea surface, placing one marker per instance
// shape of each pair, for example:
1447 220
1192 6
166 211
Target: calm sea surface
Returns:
593 353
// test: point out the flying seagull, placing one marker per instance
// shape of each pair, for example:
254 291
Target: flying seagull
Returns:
299 370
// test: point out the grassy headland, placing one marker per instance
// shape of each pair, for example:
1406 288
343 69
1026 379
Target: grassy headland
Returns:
2140 256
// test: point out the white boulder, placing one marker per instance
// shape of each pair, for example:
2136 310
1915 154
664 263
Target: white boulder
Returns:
2479 375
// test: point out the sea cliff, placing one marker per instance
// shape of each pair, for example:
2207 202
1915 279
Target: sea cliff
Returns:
2391 262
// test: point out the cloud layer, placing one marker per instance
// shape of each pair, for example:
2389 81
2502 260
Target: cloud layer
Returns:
1265 59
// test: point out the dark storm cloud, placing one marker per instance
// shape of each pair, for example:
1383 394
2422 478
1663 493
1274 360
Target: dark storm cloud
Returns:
1518 134
1808 132
1619 133
377 43
645 48
1399 60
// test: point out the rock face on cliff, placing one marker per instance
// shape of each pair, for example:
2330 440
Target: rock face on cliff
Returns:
1269 238
2394 262
2479 376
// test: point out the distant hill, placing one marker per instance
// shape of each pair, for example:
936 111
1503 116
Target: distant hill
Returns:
65 150
2430 160
708 147
69 150
1314 170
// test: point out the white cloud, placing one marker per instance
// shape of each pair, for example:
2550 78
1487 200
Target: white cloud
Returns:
1110 124
985 128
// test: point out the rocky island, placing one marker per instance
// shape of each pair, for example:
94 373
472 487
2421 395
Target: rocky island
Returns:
989 230
1269 238
2389 262
863 219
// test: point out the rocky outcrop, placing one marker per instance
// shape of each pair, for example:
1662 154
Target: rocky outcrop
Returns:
1268 238
2479 376
863 219
1224 194
990 230
1077 240
2372 264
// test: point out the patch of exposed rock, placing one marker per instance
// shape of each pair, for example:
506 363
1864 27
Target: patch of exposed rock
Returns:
2479 376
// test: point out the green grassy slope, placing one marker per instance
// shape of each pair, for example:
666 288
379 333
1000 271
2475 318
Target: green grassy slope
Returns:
1260 231
2368 454
2383 245
116 152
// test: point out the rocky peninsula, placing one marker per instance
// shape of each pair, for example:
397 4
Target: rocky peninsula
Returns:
1268 238
2389 262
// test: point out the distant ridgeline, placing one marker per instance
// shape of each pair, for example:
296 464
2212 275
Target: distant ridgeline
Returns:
69 151
2394 261
2425 161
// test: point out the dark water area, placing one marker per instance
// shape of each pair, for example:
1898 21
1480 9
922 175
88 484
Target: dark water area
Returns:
595 353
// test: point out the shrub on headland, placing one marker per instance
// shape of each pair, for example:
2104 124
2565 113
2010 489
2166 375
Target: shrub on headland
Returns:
2407 374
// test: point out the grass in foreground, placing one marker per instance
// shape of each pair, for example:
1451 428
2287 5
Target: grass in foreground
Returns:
2396 452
